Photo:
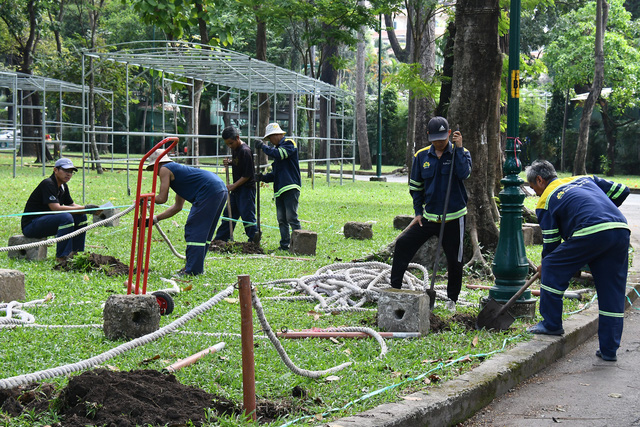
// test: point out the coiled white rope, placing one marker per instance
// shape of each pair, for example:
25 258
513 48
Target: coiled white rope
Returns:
281 351
67 236
344 287
101 358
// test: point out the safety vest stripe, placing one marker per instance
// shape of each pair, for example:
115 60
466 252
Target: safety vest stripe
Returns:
600 227
416 183
62 227
610 314
287 188
414 188
555 239
619 192
552 290
83 223
554 231
201 244
450 216
283 153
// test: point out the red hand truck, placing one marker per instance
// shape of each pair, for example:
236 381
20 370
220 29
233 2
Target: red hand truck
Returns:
141 240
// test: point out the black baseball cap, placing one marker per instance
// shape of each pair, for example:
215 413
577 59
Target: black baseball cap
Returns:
438 129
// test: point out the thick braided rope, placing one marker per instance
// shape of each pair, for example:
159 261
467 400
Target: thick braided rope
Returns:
369 331
347 287
281 351
101 358
166 239
67 236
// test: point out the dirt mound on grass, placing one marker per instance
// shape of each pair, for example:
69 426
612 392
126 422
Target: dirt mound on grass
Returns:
87 261
235 247
438 324
127 399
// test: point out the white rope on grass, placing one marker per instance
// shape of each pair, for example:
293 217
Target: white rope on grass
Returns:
101 358
281 351
347 287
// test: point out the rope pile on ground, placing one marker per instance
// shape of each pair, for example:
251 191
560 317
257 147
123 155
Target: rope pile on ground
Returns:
349 286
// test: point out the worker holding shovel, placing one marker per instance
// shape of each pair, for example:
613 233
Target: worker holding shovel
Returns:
440 205
242 191
581 224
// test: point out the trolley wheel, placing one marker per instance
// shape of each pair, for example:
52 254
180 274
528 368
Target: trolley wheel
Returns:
164 301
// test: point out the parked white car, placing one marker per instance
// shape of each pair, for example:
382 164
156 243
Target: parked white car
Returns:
6 138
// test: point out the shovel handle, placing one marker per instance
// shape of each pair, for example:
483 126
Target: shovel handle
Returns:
517 294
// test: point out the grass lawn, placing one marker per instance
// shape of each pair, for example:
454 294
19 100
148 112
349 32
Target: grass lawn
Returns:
324 209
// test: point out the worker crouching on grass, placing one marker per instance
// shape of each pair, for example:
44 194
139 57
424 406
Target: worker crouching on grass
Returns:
52 195
207 194
581 224
285 175
428 184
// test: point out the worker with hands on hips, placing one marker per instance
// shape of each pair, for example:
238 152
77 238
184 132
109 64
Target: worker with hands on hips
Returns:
428 184
581 225
52 194
207 194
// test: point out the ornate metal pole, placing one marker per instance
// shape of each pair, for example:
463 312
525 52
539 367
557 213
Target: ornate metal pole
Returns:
510 265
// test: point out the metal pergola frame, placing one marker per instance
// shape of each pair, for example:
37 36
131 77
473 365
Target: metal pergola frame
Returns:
241 78
18 86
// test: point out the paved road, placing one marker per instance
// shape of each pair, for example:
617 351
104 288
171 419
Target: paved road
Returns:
580 389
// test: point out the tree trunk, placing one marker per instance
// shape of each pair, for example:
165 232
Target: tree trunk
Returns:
475 101
579 163
610 128
447 72
361 107
427 58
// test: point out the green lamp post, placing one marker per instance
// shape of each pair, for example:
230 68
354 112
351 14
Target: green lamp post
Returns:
510 265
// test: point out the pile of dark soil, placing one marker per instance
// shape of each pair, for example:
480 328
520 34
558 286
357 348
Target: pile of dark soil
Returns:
235 247
127 399
85 262
437 324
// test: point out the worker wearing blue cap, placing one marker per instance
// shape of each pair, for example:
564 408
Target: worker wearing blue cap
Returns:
52 195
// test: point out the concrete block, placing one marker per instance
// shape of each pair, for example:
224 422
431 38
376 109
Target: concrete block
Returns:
536 231
527 236
403 310
108 213
32 254
400 222
130 316
378 179
358 230
303 242
11 285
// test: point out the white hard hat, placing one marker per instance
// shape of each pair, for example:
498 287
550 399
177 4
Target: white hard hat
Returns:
273 128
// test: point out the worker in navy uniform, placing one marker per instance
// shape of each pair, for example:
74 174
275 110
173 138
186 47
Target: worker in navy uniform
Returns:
207 194
285 175
581 225
242 191
52 195
428 187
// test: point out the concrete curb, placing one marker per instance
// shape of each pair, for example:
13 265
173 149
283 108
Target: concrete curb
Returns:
458 399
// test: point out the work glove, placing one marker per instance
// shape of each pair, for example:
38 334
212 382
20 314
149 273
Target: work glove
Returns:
259 144
259 177
91 206
148 220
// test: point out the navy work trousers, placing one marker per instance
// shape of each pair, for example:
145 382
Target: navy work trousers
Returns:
59 224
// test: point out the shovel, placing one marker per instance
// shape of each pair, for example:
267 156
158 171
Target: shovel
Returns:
431 291
258 236
495 316
226 171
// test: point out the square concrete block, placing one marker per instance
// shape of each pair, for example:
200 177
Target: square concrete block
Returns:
400 222
403 310
303 242
536 233
130 316
358 230
32 254
11 285
108 213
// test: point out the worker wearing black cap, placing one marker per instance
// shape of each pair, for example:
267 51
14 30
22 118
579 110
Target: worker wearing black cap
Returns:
428 187
52 195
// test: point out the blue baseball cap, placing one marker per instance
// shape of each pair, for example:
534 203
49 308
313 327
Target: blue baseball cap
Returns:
64 163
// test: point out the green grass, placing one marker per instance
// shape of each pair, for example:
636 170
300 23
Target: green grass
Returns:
323 209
